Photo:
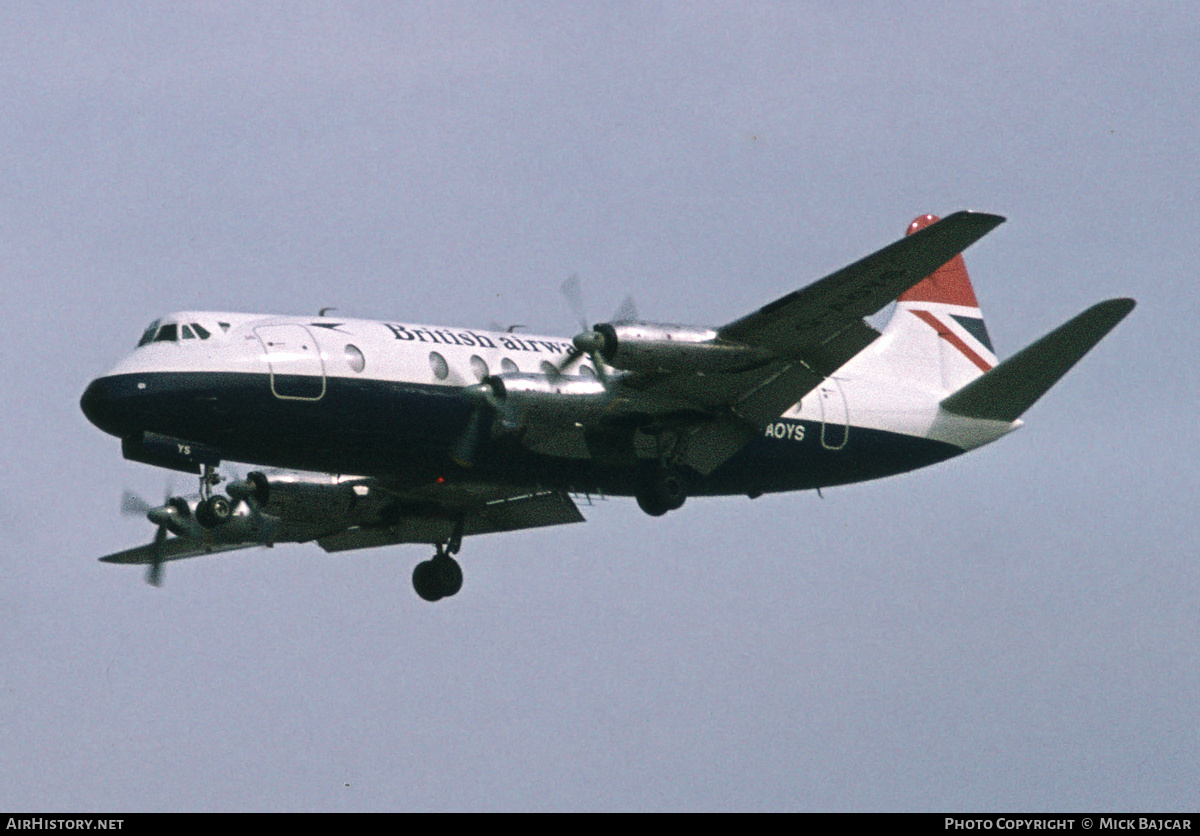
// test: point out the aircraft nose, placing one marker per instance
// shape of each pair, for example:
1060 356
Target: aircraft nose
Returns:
98 405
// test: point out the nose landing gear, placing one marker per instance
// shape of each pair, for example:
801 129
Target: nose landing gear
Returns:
213 509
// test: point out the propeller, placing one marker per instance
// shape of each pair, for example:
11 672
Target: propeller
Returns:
590 342
253 490
572 290
488 395
154 574
627 312
478 424
134 505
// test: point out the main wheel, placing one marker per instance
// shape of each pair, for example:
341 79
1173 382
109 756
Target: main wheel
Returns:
450 574
652 504
437 578
426 581
663 492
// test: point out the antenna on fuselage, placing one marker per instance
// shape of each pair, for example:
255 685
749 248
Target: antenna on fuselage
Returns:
323 311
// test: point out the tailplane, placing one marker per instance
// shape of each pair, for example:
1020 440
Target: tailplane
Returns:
1005 392
937 331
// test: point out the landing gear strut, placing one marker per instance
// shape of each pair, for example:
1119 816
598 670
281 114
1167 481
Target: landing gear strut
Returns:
440 576
213 509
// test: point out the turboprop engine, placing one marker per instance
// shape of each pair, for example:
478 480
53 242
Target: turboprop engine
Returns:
516 397
512 401
298 496
652 346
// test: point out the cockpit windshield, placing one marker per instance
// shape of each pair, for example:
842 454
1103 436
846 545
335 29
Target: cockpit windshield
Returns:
148 334
170 332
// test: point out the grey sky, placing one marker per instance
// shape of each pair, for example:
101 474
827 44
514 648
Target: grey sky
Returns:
1012 630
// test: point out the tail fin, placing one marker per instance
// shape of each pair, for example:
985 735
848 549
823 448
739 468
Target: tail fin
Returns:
937 330
1005 392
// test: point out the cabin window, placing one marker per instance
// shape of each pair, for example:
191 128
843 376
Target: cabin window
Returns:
508 366
441 369
355 358
479 367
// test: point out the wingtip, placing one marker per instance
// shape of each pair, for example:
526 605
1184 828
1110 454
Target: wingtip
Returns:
984 219
1112 310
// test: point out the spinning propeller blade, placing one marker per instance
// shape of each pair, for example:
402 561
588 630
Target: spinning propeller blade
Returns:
627 312
468 443
133 505
590 342
154 574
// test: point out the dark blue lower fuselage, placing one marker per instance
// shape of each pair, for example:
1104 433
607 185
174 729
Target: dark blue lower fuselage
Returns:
406 431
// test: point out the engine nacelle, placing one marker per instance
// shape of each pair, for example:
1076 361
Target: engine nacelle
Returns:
651 346
521 399
296 496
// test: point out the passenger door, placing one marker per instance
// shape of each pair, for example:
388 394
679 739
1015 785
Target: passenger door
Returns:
297 372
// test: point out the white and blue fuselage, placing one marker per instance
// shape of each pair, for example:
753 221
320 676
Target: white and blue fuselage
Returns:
384 399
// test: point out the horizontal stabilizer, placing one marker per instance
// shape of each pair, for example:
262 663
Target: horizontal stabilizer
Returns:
1005 392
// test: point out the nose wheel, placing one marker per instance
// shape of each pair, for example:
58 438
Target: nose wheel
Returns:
213 509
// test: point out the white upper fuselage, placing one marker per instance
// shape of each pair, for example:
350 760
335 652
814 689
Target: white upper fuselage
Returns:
868 393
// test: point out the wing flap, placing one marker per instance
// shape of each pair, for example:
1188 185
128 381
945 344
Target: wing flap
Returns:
1005 392
531 511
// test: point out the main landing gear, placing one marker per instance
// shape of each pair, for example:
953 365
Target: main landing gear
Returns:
664 491
663 487
440 576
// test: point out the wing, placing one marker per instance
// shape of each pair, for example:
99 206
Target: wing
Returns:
174 548
348 512
806 336
432 513
800 323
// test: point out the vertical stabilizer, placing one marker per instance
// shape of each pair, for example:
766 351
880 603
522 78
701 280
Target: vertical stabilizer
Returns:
937 331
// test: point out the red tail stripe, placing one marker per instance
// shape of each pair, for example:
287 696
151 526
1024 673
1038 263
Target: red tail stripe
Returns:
949 283
954 340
